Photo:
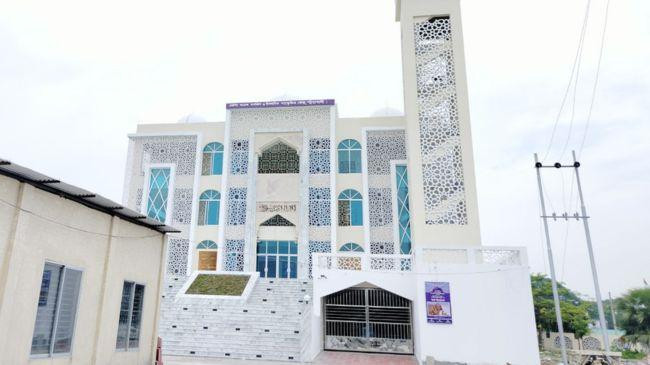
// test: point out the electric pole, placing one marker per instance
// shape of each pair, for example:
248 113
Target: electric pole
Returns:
594 273
611 308
584 217
556 297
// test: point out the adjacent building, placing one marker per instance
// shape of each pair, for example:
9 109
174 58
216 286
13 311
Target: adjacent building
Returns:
80 276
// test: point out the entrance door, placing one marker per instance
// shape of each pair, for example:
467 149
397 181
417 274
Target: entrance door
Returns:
368 320
277 259
208 260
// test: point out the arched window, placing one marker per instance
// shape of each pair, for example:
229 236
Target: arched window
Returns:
350 208
279 159
207 245
349 156
212 159
351 247
209 207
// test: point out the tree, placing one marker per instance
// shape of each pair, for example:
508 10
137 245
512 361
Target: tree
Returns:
575 317
634 310
607 308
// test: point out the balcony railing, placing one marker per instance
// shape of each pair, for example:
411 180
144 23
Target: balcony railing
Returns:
423 260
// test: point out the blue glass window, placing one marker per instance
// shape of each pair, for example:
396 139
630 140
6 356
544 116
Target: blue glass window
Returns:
351 247
277 259
403 211
212 159
158 193
207 245
350 208
209 202
349 156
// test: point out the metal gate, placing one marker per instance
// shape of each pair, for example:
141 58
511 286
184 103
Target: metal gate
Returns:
368 320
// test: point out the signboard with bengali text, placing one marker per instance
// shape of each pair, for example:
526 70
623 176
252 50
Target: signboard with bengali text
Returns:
438 302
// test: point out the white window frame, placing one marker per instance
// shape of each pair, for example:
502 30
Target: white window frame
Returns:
51 353
128 348
145 189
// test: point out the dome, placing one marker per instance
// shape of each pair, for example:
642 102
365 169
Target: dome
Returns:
192 118
285 97
388 112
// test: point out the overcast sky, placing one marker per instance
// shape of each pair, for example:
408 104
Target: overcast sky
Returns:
77 77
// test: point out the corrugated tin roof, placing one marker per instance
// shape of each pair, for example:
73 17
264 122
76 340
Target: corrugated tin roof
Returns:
81 196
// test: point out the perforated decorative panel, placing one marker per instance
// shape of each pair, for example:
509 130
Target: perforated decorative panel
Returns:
442 170
315 119
180 150
237 206
319 206
239 157
319 156
380 206
382 248
234 255
182 206
318 247
177 256
383 147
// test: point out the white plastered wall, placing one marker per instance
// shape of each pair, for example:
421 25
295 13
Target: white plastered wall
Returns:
492 310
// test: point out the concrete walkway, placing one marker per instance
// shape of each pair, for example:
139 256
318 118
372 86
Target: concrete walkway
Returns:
324 358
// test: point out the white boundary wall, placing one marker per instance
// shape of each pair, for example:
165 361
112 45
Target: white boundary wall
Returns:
492 308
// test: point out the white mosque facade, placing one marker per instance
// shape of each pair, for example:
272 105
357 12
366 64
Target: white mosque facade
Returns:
359 234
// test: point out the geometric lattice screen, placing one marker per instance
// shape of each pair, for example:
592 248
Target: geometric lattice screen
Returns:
440 146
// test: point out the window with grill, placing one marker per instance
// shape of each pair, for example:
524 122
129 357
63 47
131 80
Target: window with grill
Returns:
158 194
57 311
207 245
403 210
349 151
209 202
279 159
351 247
350 208
212 159
128 328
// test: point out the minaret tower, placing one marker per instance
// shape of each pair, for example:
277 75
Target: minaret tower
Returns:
442 187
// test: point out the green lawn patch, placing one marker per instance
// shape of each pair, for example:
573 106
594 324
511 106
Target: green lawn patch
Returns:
207 284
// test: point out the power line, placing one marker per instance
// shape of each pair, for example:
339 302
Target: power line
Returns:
575 82
593 92
568 87
72 227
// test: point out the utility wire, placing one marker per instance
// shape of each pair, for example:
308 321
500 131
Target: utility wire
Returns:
568 87
72 227
593 91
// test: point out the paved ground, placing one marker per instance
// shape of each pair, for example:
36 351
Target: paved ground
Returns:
325 358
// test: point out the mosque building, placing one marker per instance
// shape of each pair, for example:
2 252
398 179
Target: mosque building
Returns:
357 234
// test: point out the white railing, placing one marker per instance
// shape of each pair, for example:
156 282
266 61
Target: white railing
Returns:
423 260
362 262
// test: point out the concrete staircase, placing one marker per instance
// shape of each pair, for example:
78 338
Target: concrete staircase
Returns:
269 325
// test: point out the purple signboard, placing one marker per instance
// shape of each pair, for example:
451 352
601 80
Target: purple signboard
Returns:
438 299
279 104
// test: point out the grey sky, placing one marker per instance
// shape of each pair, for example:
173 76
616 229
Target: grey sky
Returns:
77 77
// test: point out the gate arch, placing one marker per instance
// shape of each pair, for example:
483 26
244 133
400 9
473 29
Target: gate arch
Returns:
368 319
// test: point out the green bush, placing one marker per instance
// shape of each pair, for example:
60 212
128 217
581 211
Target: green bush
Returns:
633 355
209 284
